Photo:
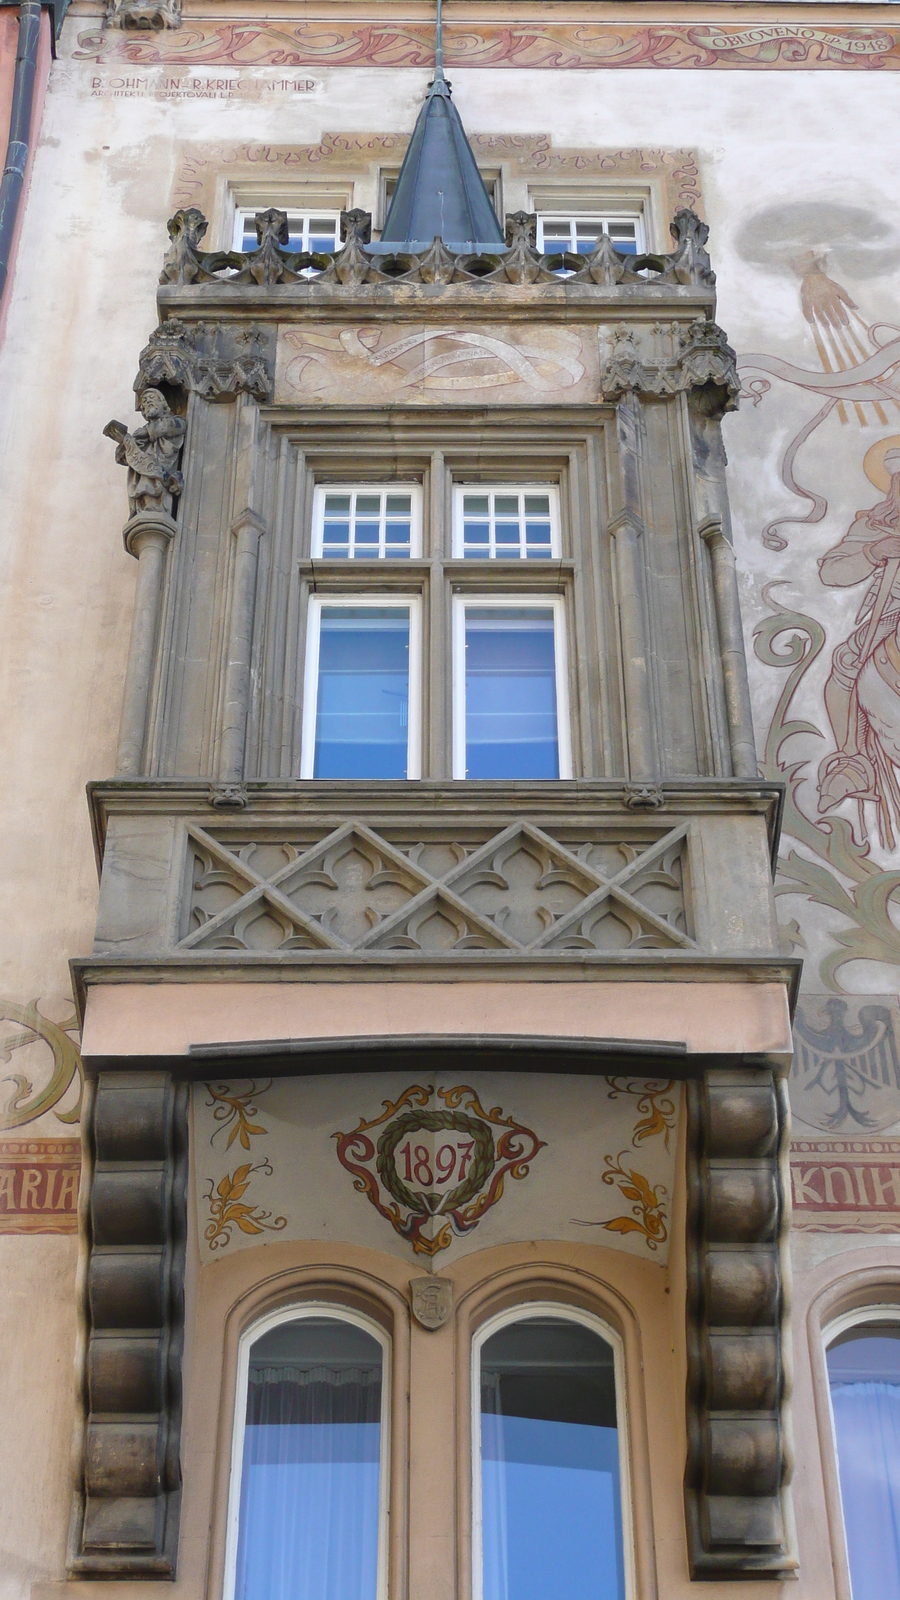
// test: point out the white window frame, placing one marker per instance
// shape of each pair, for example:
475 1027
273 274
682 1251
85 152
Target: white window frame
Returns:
462 489
600 215
243 211
275 1319
850 1319
383 489
587 1319
523 601
369 601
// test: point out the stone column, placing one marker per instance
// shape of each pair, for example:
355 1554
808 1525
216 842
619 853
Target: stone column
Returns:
626 533
731 650
247 529
147 536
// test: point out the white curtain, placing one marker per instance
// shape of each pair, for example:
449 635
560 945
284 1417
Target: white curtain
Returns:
867 1423
309 1485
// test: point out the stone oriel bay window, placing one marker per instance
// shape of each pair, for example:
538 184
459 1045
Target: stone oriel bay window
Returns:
616 835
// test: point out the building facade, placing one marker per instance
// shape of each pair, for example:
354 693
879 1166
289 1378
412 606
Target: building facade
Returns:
452 1129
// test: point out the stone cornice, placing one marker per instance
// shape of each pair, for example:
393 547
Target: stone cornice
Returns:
275 804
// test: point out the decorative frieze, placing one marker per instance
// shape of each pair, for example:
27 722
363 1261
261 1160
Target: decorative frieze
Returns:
737 1305
127 1514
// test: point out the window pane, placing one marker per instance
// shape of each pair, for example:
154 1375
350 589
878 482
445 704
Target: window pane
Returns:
864 1373
511 726
551 1502
506 525
310 1470
367 523
362 709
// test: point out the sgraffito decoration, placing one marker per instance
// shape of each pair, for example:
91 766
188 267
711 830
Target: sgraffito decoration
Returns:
657 1118
39 1185
228 1208
831 599
648 1208
654 1101
234 1111
288 43
58 1064
439 1162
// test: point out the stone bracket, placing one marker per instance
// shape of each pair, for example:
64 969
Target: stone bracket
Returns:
126 1514
737 1302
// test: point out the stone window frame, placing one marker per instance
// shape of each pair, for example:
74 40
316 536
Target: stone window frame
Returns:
440 460
243 192
613 197
416 714
264 1324
861 1295
598 1325
534 599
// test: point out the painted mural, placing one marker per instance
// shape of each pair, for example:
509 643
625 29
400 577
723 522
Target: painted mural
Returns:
822 602
433 1170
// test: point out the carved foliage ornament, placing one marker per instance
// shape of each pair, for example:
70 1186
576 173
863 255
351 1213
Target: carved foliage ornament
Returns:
354 263
212 359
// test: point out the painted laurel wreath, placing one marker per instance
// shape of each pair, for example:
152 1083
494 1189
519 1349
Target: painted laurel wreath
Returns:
482 1185
480 1167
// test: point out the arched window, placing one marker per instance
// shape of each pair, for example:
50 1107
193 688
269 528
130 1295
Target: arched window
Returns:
549 1458
863 1358
309 1479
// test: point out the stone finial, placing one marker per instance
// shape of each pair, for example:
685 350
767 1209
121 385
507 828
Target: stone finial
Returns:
151 455
356 227
690 262
184 261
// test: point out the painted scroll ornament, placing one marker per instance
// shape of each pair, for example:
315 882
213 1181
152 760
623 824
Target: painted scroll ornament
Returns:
439 1162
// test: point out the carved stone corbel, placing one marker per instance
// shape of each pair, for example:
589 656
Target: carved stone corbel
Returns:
738 1212
126 1521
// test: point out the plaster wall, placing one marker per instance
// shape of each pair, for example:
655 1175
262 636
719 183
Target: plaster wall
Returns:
81 307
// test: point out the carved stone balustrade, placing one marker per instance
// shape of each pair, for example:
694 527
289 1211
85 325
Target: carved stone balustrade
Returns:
360 261
432 877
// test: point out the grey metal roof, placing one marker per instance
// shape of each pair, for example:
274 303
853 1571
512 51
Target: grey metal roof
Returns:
440 192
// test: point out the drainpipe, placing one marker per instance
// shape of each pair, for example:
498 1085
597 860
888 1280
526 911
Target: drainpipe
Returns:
19 129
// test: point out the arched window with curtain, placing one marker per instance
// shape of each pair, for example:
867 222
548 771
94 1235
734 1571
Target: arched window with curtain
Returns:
863 1359
550 1462
309 1481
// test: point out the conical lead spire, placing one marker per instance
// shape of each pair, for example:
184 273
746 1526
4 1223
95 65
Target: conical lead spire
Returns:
440 192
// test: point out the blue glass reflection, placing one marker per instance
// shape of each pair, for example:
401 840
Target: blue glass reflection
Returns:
864 1373
511 714
550 1488
362 709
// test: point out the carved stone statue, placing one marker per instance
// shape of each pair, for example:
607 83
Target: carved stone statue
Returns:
151 455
